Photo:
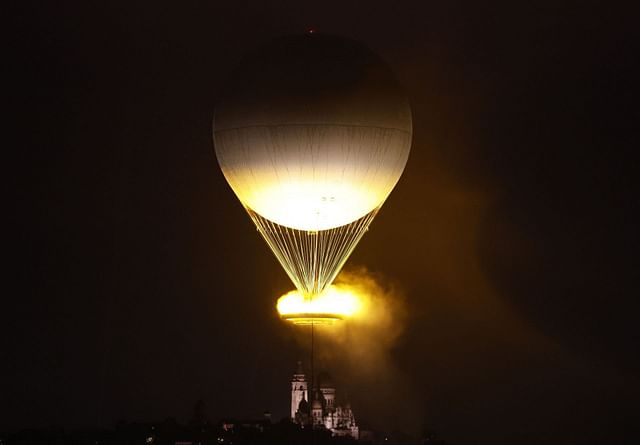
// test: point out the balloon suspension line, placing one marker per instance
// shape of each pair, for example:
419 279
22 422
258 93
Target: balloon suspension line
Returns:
312 397
312 259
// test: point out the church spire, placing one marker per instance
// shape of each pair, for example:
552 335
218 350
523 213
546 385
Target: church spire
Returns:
299 388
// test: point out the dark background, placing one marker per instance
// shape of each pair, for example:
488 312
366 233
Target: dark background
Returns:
137 284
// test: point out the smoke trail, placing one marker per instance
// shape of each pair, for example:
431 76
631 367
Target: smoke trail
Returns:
359 353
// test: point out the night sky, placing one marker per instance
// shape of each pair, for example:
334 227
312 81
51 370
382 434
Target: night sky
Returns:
138 285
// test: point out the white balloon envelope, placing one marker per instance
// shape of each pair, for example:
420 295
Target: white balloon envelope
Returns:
312 135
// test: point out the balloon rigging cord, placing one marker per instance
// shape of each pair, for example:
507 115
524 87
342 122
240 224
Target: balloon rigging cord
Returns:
312 259
313 426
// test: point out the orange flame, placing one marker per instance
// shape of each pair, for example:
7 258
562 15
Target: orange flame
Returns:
335 303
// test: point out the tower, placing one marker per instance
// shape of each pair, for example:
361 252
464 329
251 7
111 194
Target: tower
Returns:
328 390
317 406
316 411
299 390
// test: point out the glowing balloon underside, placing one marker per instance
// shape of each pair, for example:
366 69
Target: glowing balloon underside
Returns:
312 177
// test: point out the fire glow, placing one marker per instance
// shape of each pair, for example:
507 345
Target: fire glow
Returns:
334 304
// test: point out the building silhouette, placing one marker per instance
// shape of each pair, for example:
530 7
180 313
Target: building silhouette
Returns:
316 405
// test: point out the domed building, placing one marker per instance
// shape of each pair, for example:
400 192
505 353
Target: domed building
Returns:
322 411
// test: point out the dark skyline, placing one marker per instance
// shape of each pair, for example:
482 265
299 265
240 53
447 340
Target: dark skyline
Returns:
138 284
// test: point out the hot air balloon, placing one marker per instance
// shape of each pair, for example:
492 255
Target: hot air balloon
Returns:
312 134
